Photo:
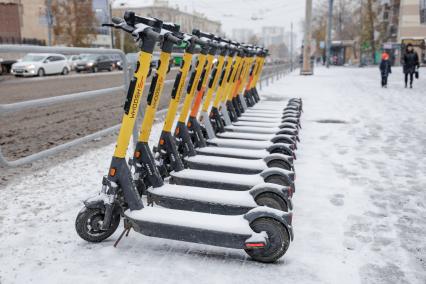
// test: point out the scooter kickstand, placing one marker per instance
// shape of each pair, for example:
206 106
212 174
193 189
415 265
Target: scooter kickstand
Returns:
125 231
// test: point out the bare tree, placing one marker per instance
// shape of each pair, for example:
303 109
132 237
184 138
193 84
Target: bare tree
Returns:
74 22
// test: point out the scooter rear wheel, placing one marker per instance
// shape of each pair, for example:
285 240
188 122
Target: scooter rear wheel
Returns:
271 200
278 238
88 225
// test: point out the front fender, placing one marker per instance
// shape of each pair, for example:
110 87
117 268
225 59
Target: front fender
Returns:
284 192
265 212
95 202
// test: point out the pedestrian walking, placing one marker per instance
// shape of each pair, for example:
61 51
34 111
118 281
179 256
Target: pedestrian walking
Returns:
410 63
385 69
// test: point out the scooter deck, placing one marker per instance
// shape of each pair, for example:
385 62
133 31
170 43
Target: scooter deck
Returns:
268 115
238 143
213 195
203 162
204 228
248 129
250 136
213 179
234 152
259 124
260 119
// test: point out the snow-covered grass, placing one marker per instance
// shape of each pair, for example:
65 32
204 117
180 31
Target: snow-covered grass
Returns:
359 212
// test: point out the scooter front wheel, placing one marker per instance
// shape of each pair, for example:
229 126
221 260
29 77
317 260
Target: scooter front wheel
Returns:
278 240
89 222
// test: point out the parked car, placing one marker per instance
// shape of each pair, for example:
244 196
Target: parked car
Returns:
40 64
94 63
72 61
117 63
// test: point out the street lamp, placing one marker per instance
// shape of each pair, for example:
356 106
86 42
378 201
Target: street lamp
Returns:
329 27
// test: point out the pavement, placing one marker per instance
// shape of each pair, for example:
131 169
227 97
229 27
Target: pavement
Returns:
360 205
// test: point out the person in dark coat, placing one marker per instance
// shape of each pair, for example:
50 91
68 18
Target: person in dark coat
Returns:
410 63
385 69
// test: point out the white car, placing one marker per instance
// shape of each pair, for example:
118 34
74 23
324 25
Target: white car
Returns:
40 64
72 60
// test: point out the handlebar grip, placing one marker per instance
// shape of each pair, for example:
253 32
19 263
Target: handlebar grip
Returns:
117 20
172 38
200 42
151 33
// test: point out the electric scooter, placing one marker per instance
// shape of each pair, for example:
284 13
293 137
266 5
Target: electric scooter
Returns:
199 178
235 108
150 169
264 233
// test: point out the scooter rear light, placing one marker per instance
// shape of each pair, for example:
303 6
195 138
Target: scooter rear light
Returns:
177 131
161 141
255 245
189 124
137 154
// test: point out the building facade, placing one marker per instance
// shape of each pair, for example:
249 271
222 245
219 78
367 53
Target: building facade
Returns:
412 19
272 36
23 21
412 26
162 10
242 35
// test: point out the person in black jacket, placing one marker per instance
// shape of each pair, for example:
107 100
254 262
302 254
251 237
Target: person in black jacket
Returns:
385 69
410 62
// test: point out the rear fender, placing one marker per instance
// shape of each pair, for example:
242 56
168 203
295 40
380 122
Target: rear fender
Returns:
280 138
291 120
282 148
277 171
288 125
280 157
264 212
283 192
288 131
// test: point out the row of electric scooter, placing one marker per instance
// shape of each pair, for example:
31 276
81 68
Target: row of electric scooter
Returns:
225 175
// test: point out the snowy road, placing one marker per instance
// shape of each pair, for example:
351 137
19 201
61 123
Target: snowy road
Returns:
359 216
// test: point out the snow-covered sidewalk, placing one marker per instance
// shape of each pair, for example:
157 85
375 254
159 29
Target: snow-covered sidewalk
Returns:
359 215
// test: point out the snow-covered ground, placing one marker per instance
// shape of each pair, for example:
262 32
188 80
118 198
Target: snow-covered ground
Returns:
359 215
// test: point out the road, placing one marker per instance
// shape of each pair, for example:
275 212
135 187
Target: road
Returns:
33 130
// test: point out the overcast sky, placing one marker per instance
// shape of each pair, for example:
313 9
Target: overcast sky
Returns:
252 14
249 13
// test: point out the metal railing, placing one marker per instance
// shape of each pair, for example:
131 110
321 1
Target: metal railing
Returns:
269 73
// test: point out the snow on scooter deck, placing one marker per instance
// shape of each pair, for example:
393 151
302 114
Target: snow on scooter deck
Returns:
247 180
250 136
236 143
258 164
234 152
211 195
259 119
248 129
190 219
